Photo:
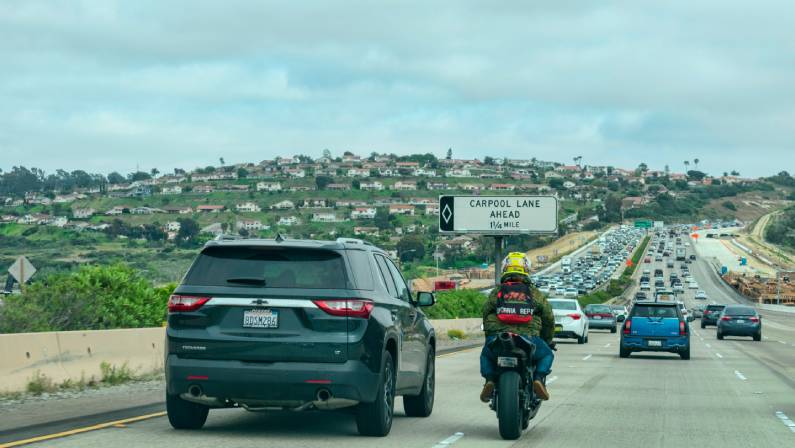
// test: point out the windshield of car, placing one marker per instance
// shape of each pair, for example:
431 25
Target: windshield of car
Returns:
563 304
653 311
269 267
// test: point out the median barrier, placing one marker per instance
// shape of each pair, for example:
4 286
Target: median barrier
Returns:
77 355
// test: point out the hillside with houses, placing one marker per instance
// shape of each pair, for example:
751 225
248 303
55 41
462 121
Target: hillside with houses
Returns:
390 200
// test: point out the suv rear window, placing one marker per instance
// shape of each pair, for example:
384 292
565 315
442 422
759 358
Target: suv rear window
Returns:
654 311
276 267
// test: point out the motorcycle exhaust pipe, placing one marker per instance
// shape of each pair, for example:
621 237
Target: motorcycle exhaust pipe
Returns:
506 342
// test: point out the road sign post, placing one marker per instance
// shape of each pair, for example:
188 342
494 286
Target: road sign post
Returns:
497 216
22 270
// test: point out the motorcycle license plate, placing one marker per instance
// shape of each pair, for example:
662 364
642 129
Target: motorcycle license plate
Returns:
507 361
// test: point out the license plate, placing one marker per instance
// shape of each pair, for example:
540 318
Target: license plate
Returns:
260 319
740 321
507 361
655 343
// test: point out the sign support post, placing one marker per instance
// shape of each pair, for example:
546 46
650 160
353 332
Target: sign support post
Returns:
497 258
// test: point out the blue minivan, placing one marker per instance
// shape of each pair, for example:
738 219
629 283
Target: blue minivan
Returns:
655 327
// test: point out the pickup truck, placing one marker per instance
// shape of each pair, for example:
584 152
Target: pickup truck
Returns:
656 327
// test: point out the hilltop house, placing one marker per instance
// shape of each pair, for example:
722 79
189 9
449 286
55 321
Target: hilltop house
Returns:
248 207
283 205
174 189
406 185
373 186
250 224
288 221
324 217
363 213
269 186
401 209
210 208
83 213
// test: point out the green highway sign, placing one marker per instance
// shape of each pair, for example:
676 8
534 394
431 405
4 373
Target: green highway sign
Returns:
643 224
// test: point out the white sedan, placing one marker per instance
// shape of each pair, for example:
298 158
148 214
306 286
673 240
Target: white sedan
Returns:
693 285
570 321
701 295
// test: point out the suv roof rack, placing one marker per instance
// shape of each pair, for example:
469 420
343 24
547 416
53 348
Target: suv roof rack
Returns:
343 240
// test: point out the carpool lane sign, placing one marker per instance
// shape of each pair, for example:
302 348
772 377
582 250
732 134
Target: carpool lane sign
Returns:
498 215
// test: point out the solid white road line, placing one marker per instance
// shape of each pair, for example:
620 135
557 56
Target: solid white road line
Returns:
718 355
587 358
786 420
449 441
552 380
740 375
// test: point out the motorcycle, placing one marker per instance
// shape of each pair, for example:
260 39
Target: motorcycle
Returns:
513 398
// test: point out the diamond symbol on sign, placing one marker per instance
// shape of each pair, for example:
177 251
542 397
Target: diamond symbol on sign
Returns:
446 213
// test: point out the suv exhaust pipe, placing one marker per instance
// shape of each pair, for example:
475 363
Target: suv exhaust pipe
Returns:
195 391
323 395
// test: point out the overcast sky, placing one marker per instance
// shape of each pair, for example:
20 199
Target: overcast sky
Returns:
103 86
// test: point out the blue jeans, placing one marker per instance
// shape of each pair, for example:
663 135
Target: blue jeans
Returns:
542 358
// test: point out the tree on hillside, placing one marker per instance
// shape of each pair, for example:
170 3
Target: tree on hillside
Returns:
221 159
687 165
115 178
322 181
327 153
488 160
242 173
735 173
556 183
410 247
696 175
449 154
188 231
154 172
612 212
138 175
695 163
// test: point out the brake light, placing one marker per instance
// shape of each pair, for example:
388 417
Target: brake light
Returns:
575 316
682 328
725 318
627 326
178 303
346 307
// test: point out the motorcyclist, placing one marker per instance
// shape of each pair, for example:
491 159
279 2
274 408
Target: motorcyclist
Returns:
539 330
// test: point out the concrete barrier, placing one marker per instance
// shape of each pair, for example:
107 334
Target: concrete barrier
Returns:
76 355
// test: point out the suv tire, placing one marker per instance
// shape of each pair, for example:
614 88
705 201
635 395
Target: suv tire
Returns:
720 335
685 354
183 414
422 405
758 336
623 352
703 325
375 419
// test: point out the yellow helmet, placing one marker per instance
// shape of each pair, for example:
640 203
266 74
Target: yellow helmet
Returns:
516 263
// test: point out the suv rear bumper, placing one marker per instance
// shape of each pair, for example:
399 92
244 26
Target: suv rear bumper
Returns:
667 344
275 381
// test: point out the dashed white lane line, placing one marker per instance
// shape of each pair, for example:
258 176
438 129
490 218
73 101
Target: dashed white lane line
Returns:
607 345
449 441
708 346
786 420
718 355
765 337
782 342
552 380
587 358
740 375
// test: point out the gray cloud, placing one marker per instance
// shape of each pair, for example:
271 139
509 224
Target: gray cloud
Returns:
108 85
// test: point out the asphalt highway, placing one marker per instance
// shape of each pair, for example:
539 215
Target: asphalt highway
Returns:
731 393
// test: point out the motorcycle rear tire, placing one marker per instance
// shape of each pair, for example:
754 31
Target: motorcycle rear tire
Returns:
509 411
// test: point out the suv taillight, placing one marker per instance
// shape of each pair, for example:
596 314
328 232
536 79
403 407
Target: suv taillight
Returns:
346 307
178 303
682 328
627 326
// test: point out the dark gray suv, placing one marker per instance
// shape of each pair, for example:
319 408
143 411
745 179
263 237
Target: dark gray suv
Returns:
297 325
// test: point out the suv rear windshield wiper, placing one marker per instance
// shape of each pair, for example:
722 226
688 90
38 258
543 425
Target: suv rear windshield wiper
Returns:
247 280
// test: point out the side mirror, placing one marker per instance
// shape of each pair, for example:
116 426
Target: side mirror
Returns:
425 298
620 318
691 318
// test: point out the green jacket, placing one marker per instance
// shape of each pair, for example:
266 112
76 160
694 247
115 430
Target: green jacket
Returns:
543 323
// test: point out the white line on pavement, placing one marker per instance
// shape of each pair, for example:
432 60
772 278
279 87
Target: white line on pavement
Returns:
740 375
449 441
552 380
786 420
708 346
782 342
765 337
587 358
718 355
607 345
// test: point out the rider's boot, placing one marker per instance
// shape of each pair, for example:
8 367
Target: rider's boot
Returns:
540 390
488 390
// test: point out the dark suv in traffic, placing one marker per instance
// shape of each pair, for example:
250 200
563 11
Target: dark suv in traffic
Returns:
297 325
